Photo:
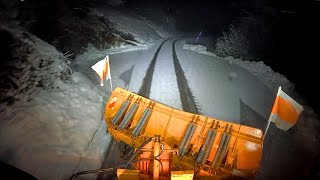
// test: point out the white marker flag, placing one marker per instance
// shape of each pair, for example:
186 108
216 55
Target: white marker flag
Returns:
102 68
285 111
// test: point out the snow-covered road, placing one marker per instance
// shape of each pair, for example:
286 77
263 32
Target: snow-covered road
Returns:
221 89
224 90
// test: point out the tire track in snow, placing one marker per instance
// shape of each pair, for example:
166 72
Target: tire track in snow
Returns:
147 80
164 87
187 99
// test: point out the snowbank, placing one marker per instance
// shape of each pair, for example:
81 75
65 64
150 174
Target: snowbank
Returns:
92 53
198 48
53 135
143 31
49 128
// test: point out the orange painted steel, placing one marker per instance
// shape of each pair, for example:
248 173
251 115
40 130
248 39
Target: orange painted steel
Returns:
240 146
156 152
125 174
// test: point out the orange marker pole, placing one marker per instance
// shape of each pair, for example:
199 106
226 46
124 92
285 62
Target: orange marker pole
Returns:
156 152
269 120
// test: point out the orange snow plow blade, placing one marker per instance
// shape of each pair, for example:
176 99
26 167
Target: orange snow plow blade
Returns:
211 148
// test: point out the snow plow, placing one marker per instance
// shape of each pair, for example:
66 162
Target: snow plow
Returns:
173 144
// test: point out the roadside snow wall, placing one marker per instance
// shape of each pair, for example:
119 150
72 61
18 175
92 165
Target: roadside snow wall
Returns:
51 123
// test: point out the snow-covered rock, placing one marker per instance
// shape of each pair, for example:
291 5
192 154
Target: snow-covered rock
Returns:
32 65
51 121
196 47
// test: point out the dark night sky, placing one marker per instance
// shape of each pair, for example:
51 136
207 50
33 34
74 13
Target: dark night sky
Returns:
192 15
215 15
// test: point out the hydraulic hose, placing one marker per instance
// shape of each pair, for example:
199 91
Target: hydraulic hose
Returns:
204 146
186 145
143 122
209 147
120 112
145 112
128 116
223 152
217 155
185 138
90 172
